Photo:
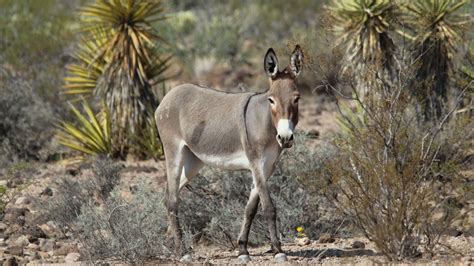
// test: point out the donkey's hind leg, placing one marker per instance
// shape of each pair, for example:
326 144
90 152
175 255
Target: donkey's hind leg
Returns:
174 166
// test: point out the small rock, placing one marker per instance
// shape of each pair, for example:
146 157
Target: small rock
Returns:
358 244
15 215
47 192
28 252
35 256
72 171
13 229
51 230
33 246
44 255
280 257
22 201
313 133
35 233
326 238
15 182
243 259
302 241
66 249
10 262
453 232
14 250
3 183
3 227
46 244
22 241
186 258
72 257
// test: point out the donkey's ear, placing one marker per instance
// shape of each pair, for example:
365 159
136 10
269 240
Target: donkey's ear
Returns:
296 61
270 63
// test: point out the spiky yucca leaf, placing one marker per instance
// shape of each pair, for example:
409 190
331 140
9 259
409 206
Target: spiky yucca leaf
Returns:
128 36
128 45
363 28
83 76
92 134
438 30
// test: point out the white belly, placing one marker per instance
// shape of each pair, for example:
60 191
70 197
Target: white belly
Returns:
233 161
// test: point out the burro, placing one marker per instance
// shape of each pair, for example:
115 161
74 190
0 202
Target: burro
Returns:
200 126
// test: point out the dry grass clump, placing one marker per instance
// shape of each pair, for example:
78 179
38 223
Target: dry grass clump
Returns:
73 193
132 231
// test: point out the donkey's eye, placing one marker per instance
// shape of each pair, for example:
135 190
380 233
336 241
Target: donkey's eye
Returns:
297 99
271 101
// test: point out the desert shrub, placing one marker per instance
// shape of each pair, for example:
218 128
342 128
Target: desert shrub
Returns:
130 231
25 120
73 193
396 177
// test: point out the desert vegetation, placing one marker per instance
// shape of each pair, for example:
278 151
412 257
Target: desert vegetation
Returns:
383 151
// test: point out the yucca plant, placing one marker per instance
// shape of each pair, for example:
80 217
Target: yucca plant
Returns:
92 134
438 28
119 61
83 76
363 28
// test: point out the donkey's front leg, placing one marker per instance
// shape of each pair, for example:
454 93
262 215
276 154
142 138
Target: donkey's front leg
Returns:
269 213
250 212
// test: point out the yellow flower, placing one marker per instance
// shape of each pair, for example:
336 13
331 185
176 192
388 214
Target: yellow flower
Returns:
299 229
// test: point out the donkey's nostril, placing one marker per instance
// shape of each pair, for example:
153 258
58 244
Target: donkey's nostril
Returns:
291 137
278 137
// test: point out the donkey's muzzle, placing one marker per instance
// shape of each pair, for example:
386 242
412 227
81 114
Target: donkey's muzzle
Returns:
285 141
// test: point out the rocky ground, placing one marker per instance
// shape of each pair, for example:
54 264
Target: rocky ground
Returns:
329 251
26 236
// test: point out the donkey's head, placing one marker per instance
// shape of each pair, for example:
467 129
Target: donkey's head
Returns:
283 94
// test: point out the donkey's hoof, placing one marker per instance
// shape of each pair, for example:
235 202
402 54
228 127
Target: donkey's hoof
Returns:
280 257
186 258
244 258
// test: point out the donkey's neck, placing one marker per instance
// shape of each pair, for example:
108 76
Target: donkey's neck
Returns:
260 129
